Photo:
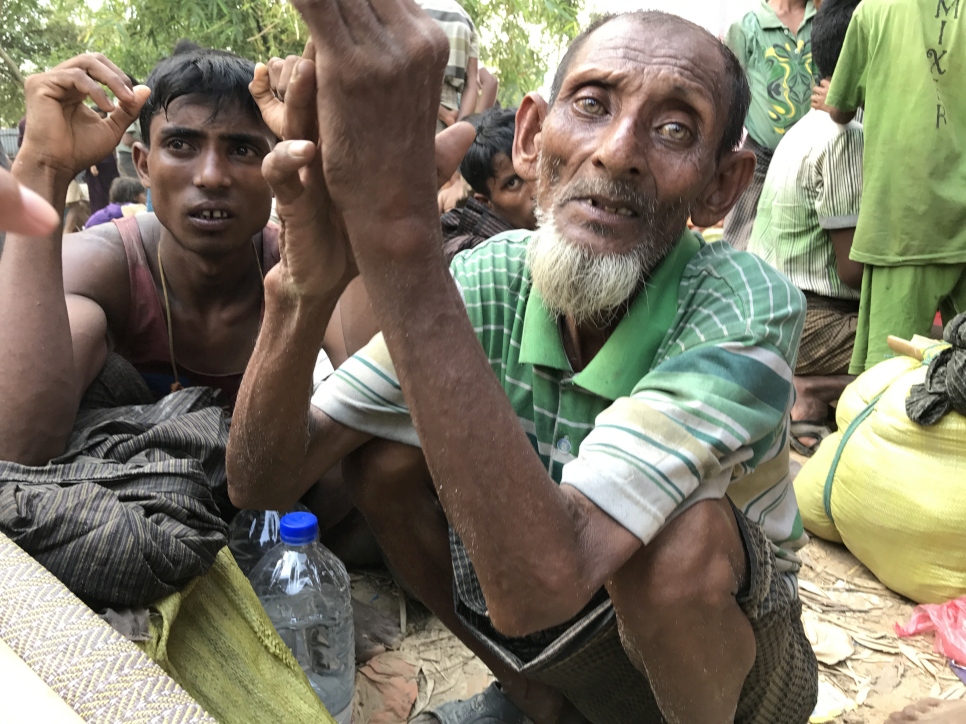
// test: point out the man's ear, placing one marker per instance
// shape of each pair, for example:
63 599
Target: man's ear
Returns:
481 199
526 139
139 156
734 173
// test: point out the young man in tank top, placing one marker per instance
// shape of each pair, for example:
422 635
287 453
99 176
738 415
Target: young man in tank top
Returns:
178 292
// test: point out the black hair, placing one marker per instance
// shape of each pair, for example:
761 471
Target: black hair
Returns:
828 33
217 77
185 46
494 135
739 93
125 190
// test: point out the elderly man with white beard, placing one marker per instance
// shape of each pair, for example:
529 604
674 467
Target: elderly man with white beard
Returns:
571 444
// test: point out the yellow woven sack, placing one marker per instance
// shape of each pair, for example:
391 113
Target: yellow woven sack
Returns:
215 639
893 492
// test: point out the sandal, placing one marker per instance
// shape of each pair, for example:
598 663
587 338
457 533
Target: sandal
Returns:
817 429
488 707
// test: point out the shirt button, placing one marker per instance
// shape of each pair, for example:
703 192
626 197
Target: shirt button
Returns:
564 446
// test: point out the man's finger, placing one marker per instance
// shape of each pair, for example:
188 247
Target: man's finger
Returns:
109 75
77 81
285 78
451 146
274 74
261 89
325 23
24 212
281 169
301 114
309 52
124 114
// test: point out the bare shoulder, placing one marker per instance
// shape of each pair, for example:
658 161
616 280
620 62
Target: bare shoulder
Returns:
95 267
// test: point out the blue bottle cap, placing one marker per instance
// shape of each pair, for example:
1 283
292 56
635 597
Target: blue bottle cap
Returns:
299 528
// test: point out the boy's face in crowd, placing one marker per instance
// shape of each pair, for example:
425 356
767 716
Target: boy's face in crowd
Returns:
510 196
205 173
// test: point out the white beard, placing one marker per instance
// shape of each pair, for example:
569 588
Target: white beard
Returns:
581 284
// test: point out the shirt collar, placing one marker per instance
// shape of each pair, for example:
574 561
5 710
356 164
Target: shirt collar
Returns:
768 18
629 352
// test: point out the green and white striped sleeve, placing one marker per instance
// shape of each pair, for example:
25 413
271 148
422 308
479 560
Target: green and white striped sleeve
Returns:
714 406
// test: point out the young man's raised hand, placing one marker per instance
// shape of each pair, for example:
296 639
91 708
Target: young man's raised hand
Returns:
63 134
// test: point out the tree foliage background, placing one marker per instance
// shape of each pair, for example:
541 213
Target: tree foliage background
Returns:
517 36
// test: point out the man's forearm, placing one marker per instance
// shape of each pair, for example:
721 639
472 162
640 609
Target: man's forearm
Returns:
270 433
37 378
471 90
486 473
839 116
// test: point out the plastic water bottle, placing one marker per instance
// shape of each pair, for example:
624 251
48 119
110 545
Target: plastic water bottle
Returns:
305 591
253 533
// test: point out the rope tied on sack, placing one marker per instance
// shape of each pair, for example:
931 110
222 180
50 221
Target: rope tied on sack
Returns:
944 389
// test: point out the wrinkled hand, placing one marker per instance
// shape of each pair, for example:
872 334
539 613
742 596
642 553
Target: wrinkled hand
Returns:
819 94
64 134
316 258
379 70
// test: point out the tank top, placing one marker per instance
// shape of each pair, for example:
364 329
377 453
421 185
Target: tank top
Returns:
145 344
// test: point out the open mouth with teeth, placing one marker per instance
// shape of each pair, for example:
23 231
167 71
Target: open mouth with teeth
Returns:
211 214
619 210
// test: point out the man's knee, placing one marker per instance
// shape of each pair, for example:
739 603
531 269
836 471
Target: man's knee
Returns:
697 562
382 471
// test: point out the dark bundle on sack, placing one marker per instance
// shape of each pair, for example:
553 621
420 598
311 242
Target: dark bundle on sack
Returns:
128 514
944 390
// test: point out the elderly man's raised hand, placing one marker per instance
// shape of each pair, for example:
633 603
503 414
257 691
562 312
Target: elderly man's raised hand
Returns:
379 72
64 135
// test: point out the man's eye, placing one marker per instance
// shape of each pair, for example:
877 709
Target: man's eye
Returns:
590 105
675 131
245 151
176 144
513 183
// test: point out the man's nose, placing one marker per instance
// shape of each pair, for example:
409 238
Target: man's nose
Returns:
621 151
213 169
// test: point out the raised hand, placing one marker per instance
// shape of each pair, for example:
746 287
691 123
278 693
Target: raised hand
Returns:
379 69
65 135
316 258
270 85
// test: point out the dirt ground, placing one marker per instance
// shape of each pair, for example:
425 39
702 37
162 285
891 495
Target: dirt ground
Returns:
851 613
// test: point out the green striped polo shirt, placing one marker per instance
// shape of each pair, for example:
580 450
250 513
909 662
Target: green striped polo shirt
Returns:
687 400
813 187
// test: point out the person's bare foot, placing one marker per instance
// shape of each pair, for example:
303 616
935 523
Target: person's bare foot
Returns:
931 711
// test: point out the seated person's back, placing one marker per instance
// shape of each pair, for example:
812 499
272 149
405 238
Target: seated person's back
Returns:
806 220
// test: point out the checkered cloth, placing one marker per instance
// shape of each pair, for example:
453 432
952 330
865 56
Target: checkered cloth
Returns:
828 336
470 226
463 45
585 660
128 514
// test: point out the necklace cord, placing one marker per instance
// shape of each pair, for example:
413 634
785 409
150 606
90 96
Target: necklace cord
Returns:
176 385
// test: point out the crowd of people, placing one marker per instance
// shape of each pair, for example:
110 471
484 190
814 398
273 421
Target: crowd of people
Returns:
484 345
